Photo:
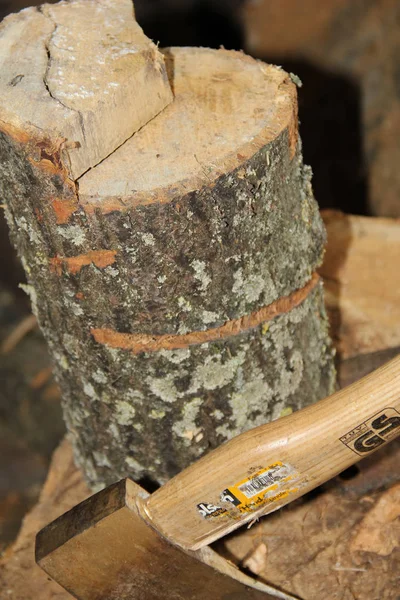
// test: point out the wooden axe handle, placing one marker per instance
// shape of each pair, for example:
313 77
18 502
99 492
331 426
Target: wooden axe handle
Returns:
269 466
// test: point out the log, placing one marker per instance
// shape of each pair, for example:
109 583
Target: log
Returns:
175 281
359 270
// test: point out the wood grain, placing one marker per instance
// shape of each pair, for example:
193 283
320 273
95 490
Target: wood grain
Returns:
361 274
81 76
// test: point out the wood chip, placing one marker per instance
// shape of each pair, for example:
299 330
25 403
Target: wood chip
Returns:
22 329
256 559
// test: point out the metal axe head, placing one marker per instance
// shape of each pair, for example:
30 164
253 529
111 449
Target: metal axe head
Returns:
103 549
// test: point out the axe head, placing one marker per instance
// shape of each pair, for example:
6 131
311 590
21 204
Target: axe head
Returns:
103 549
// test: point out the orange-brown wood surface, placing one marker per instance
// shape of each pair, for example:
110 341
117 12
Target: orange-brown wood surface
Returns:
362 284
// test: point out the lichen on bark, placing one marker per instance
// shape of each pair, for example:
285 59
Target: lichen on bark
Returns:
167 408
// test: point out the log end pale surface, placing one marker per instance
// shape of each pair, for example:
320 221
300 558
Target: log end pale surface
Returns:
226 107
175 281
80 76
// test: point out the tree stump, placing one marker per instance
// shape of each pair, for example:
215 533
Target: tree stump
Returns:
175 281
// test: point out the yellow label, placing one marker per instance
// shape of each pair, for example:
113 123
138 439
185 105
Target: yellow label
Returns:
261 488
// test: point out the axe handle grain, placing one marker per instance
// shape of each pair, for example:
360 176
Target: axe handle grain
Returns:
265 468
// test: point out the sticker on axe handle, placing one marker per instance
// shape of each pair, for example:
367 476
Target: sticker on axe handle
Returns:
262 487
209 510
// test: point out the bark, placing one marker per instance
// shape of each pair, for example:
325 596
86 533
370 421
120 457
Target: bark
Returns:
179 316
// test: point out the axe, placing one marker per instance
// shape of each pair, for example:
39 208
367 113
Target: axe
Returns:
124 544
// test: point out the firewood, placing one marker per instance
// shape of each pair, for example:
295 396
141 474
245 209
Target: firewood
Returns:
175 281
360 271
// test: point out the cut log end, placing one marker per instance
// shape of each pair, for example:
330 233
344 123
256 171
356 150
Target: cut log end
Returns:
79 76
226 107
